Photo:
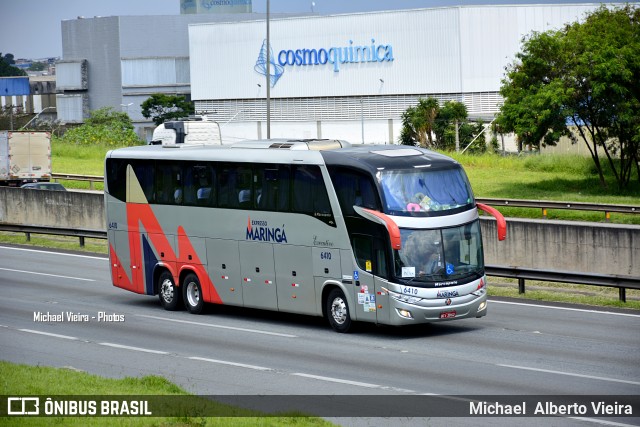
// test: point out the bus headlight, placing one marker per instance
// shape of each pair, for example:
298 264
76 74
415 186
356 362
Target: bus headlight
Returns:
405 313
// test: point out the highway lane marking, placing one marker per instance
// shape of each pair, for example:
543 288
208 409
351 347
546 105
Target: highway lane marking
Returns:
225 362
337 380
47 274
128 347
602 422
233 328
54 253
49 334
549 371
565 308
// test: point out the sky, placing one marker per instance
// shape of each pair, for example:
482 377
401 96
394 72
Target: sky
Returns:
31 28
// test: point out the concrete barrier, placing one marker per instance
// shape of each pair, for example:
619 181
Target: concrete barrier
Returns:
564 245
73 209
542 244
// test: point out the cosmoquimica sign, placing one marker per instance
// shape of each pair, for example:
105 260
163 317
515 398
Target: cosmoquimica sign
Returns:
334 56
337 55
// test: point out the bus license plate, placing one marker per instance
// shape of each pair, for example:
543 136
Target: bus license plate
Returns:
448 314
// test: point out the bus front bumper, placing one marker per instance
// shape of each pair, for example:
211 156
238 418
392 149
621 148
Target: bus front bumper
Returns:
438 310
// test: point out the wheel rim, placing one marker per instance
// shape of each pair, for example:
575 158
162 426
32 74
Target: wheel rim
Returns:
166 290
193 294
339 310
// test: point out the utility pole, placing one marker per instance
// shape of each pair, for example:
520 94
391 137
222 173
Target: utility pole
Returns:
268 49
457 136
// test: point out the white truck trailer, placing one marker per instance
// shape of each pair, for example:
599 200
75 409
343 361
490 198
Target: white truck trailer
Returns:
24 157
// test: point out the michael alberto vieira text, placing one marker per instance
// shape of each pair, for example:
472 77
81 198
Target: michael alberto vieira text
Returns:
599 408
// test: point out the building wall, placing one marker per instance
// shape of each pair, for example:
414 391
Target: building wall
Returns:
96 40
451 53
128 59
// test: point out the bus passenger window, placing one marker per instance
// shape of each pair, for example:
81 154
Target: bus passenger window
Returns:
309 192
227 195
168 183
274 190
198 185
144 171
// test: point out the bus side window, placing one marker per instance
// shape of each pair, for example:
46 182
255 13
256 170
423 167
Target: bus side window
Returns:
116 178
274 191
354 188
370 254
145 174
363 252
245 187
168 183
309 192
198 185
227 194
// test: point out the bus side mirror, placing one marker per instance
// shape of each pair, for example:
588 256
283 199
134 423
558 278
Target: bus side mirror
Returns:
380 218
500 221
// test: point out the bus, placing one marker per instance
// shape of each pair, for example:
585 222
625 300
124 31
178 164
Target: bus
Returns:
355 233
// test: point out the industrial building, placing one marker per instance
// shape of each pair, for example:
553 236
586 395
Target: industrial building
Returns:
119 61
344 76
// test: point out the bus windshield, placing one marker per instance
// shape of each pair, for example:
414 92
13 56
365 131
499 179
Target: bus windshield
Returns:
424 190
440 255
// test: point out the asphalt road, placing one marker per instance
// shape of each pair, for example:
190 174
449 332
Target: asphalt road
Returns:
518 348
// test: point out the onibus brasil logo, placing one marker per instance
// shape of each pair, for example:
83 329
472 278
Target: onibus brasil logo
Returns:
350 54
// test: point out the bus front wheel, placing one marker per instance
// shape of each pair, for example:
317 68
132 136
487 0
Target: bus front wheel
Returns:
192 294
338 311
170 296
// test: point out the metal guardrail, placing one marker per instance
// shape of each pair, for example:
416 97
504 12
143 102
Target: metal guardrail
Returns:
57 231
521 273
548 204
73 177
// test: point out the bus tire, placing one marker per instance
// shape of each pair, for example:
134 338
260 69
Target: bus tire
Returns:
338 311
192 294
169 294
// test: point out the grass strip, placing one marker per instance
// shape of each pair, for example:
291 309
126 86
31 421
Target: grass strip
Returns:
25 380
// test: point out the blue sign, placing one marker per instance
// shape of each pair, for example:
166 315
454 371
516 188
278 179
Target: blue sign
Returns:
450 268
355 275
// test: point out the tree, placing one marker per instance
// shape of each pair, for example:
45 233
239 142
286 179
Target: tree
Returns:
418 123
6 67
162 107
104 127
444 127
582 81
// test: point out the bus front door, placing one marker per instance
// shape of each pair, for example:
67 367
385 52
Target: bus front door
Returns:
368 277
258 275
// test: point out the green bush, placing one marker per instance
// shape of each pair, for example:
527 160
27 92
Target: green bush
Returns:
104 127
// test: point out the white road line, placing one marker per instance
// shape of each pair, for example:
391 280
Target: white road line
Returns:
49 334
565 308
54 253
549 371
233 328
225 362
602 422
47 274
337 380
127 347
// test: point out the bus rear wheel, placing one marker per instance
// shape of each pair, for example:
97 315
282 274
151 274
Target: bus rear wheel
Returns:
170 296
338 311
192 294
